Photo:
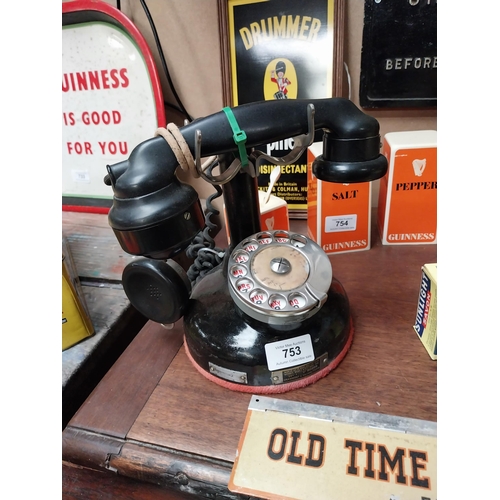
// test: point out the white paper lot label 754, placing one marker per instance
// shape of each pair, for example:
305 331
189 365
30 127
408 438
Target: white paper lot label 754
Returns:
340 223
290 352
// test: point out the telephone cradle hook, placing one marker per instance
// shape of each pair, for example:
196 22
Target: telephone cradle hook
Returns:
256 158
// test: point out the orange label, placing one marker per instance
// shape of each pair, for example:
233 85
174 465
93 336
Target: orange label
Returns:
275 219
408 196
312 197
338 215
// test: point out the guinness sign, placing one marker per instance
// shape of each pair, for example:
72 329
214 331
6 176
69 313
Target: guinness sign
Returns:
399 54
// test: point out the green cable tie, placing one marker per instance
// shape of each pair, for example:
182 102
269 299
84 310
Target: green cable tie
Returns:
239 136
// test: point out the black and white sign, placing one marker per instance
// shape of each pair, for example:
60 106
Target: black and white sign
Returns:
399 54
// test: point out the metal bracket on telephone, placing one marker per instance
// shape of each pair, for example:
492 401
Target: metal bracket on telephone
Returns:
224 177
301 143
257 158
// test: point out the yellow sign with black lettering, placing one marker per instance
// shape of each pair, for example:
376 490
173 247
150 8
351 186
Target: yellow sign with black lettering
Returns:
287 456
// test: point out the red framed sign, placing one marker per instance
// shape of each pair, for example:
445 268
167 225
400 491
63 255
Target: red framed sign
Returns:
111 99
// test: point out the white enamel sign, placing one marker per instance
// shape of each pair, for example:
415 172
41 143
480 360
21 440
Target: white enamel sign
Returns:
108 105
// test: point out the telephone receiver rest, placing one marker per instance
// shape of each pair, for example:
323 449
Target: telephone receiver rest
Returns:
155 215
157 289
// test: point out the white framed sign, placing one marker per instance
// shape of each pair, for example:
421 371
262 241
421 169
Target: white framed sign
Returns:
111 99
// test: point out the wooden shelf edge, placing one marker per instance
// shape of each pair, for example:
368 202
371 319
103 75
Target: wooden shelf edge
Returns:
181 471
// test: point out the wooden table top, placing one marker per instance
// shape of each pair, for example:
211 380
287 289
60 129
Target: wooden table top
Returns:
99 262
154 418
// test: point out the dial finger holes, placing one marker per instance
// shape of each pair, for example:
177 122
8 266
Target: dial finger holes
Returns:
240 256
264 238
258 296
298 241
297 300
281 237
237 271
250 245
244 285
277 302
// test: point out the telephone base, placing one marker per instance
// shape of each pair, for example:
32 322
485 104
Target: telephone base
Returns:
274 389
238 352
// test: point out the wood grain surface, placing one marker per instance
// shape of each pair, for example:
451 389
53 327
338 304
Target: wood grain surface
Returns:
116 324
116 402
99 263
81 483
95 249
387 369
170 420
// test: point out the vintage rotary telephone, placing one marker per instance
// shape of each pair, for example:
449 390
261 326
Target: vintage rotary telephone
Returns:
267 316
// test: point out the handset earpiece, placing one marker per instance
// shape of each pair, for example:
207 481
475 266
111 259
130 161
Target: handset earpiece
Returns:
350 160
153 213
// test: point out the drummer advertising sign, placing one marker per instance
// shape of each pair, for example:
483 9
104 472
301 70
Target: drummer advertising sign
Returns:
281 49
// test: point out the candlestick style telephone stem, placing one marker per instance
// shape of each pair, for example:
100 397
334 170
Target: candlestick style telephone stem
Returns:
269 317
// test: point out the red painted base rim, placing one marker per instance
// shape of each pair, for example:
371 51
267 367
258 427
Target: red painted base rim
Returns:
276 389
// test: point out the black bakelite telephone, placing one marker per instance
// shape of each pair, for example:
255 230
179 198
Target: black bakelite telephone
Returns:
266 316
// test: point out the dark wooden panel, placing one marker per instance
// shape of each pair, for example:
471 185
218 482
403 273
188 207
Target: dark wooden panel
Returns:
94 247
172 426
115 403
386 371
205 478
80 483
89 449
188 412
116 324
99 263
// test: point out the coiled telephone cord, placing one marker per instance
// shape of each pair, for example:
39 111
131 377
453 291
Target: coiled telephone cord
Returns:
206 256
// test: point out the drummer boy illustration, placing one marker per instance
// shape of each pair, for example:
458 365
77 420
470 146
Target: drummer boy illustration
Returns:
278 77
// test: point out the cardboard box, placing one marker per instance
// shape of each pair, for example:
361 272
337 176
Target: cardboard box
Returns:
407 204
426 319
76 322
274 213
338 215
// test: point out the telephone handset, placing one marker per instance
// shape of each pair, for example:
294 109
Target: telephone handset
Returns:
268 316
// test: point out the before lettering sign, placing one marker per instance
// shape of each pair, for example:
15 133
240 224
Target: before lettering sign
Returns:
111 99
399 54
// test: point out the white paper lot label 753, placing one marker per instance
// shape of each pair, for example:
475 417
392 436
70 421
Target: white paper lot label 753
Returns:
289 352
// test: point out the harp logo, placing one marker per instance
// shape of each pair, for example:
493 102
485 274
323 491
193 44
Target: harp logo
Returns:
419 166
270 224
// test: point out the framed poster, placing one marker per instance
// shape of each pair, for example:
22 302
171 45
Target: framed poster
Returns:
111 99
282 49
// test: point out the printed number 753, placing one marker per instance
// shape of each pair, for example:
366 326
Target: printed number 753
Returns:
292 351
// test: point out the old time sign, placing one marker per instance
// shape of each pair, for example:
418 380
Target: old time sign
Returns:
399 54
298 451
